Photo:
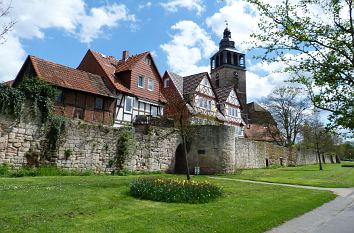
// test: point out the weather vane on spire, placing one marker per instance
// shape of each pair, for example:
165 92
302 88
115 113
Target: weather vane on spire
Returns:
227 33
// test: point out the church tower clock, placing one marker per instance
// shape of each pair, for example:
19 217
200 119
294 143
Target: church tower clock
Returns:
228 67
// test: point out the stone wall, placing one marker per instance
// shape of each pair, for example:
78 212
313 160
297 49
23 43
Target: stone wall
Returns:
91 147
213 149
86 146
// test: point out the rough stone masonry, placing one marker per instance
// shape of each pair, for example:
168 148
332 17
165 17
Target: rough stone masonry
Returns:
86 146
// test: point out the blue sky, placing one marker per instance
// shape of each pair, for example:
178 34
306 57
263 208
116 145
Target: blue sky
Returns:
181 34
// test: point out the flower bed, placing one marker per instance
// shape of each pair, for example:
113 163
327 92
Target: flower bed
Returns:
174 190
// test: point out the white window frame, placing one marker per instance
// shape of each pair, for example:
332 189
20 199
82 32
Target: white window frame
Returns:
131 104
153 84
166 83
141 77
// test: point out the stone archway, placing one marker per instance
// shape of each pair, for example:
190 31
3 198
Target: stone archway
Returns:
180 161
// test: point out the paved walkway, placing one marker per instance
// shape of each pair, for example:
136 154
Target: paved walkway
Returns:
336 216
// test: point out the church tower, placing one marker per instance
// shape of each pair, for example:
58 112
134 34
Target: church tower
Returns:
228 67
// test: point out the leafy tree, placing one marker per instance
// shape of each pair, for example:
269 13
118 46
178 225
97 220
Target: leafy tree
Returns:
315 39
346 151
287 106
316 136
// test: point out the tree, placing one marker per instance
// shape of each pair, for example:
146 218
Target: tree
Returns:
316 136
346 151
315 39
287 106
6 27
178 111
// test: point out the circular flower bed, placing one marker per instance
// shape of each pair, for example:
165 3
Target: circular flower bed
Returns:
174 190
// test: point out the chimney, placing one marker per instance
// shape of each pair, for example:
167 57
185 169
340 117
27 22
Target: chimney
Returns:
125 55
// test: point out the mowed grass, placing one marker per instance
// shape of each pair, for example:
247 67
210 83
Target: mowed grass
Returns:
101 204
332 175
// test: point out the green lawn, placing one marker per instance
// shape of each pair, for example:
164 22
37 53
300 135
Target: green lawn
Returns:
101 204
332 175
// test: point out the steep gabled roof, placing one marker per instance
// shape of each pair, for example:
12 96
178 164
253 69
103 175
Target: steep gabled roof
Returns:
66 77
111 66
108 65
191 82
130 62
177 81
259 115
223 93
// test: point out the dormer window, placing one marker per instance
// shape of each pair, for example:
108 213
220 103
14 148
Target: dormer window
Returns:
141 81
147 61
166 83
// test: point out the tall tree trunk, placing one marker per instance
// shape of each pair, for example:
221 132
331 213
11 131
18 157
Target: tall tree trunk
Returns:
319 156
337 159
323 159
186 156
183 135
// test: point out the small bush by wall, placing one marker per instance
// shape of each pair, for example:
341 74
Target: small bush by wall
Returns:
172 190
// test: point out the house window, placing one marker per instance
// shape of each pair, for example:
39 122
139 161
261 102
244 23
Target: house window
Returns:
150 84
141 81
99 103
60 96
128 104
147 61
204 103
153 110
233 112
166 83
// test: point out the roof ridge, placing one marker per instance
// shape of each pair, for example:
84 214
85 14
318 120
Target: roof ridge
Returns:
64 66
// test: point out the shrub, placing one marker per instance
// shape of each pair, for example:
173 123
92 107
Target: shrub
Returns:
172 190
4 170
47 170
347 165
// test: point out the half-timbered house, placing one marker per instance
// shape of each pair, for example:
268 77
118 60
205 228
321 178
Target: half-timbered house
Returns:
136 80
230 107
196 94
81 94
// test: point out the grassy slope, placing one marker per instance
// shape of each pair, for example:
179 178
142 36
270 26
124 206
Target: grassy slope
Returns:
101 204
333 175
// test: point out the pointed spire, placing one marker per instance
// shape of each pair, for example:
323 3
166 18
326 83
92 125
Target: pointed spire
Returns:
227 32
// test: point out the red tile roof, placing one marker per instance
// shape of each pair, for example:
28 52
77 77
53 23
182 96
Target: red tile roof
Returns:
108 64
66 77
111 66
130 62
191 82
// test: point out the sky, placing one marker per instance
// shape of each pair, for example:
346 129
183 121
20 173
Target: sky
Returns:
182 35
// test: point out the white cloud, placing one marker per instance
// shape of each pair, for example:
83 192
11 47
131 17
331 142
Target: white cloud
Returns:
106 16
187 48
146 5
72 16
11 58
242 20
174 5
